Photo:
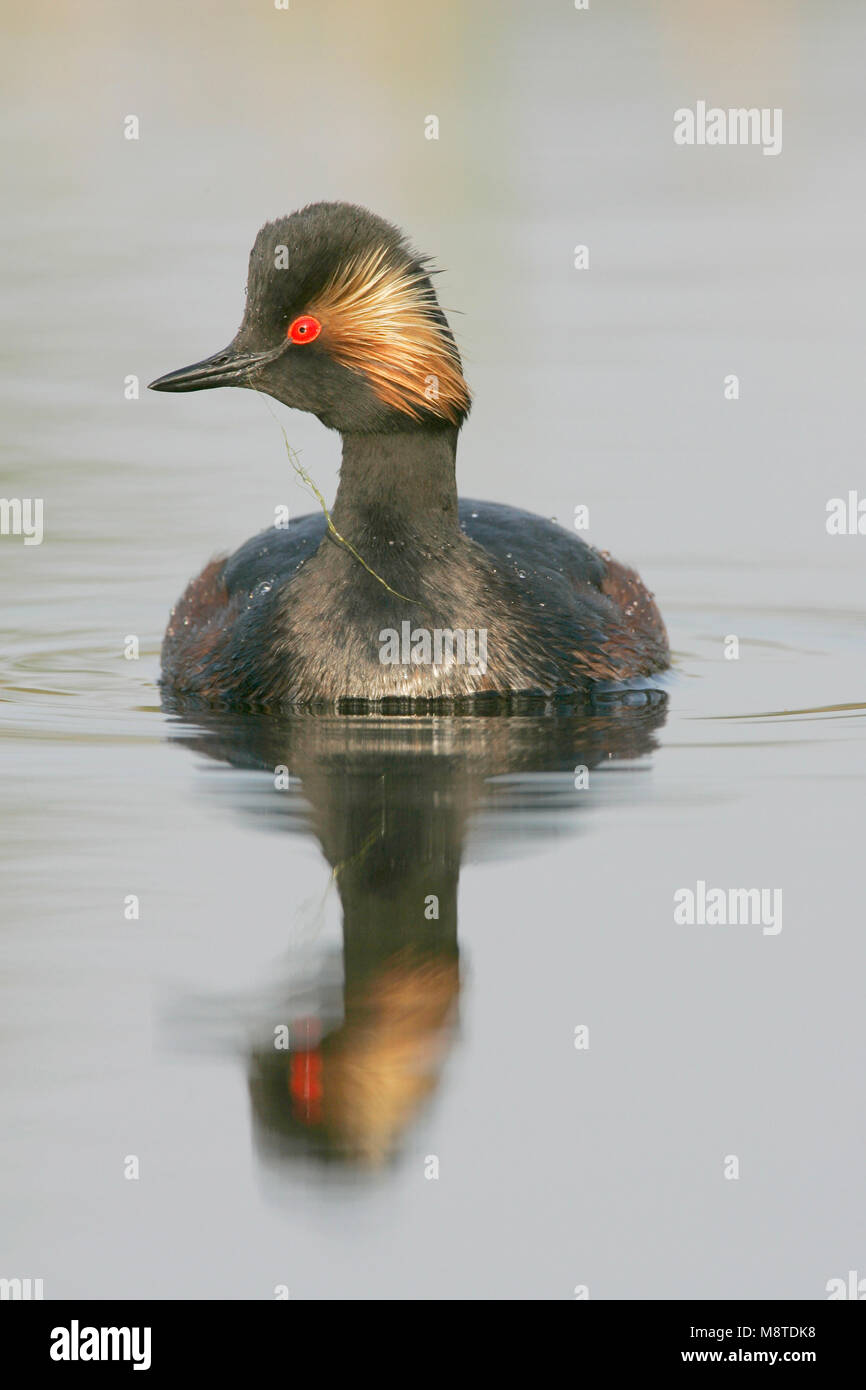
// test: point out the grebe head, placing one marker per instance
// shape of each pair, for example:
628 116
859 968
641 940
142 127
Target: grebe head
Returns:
341 320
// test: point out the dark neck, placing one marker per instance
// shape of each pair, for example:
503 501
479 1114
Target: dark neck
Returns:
393 484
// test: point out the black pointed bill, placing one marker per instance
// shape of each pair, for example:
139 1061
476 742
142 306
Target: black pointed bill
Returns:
226 368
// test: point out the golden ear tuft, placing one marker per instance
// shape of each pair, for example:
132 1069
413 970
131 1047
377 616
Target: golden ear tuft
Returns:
380 319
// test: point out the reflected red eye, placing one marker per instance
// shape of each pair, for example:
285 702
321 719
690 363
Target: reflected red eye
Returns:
304 329
305 1086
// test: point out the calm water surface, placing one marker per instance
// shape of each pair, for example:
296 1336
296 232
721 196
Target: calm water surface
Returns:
303 906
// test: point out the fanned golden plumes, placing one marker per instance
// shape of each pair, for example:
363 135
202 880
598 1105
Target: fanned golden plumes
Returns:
380 318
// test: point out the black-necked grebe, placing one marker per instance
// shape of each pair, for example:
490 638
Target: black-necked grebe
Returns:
409 594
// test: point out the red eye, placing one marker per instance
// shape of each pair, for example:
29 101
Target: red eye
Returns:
304 329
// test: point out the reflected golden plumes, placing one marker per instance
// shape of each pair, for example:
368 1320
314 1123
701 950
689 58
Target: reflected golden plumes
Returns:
352 1095
389 798
380 319
385 1061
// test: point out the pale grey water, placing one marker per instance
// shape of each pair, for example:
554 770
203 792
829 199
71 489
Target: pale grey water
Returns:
557 1167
